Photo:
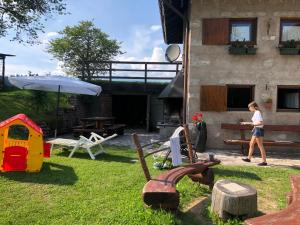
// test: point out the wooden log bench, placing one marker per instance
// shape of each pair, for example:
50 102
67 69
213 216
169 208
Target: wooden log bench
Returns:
160 192
244 143
287 216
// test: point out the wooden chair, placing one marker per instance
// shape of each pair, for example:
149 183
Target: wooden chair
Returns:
160 192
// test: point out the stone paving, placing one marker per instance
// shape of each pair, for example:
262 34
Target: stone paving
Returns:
280 157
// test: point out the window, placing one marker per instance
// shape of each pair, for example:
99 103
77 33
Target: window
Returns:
288 98
243 29
18 132
222 31
239 96
290 30
226 98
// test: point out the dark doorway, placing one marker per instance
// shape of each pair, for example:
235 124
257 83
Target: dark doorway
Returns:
130 110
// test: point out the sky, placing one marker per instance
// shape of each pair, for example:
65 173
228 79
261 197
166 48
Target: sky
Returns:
135 23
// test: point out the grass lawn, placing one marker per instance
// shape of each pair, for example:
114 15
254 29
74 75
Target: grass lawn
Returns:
108 191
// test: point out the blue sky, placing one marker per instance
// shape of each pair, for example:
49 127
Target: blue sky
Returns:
136 23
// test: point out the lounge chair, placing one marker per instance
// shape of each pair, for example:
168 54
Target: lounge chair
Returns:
87 144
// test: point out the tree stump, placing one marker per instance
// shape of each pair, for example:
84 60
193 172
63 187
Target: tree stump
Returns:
232 198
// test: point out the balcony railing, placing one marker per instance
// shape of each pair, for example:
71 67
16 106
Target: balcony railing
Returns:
134 71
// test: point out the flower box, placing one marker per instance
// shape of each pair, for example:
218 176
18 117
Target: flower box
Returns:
289 51
237 51
251 51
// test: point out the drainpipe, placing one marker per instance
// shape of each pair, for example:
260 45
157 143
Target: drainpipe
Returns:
186 47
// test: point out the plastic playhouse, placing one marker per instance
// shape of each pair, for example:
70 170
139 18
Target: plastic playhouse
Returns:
23 152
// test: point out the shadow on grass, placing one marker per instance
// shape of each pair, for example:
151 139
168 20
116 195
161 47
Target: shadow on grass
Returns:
101 157
51 173
199 213
196 213
235 173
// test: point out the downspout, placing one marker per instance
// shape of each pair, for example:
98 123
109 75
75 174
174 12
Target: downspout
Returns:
186 47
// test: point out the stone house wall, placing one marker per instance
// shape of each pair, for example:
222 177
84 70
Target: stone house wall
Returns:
212 65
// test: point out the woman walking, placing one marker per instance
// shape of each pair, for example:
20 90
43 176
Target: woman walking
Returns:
257 134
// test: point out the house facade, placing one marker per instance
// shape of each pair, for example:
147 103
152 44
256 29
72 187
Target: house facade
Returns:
232 58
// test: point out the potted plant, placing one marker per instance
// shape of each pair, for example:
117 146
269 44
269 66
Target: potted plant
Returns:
242 48
290 47
251 50
200 143
268 103
237 48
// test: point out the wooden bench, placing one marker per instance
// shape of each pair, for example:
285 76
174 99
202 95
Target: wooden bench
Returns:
115 128
287 216
160 192
86 132
244 143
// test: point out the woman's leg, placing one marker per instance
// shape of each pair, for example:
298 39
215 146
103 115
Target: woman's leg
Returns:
251 146
259 141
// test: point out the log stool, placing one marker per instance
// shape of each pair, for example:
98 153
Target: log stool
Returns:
232 198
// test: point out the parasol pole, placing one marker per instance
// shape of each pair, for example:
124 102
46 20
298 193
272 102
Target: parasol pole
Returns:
57 108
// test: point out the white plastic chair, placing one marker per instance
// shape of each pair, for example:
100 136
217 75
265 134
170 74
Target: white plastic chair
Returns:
87 144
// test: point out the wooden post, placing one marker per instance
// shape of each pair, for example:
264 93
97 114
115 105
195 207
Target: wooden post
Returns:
243 137
110 74
148 113
188 142
177 66
3 71
141 156
146 68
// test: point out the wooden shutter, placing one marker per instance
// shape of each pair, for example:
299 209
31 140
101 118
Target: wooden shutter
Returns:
215 31
213 98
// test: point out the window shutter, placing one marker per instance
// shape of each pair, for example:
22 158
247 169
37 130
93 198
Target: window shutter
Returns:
213 98
215 31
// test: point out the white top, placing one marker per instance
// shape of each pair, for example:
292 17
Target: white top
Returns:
257 117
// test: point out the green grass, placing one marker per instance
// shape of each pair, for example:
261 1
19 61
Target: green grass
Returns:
108 191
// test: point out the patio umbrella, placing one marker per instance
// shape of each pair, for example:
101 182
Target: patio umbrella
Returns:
55 84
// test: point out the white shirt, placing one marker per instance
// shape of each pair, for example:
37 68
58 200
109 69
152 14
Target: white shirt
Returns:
257 117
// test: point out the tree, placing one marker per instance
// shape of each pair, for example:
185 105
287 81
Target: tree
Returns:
83 48
24 17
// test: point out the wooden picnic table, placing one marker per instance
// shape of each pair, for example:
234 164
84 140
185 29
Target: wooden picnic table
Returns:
98 120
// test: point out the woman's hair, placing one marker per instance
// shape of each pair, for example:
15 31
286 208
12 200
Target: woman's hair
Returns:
253 104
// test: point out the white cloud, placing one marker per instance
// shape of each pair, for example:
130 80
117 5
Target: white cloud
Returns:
59 69
155 27
14 69
157 55
142 41
51 34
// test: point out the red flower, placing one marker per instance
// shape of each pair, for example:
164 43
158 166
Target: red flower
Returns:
197 118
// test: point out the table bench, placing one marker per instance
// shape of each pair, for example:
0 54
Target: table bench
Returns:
244 143
86 132
287 216
105 131
115 128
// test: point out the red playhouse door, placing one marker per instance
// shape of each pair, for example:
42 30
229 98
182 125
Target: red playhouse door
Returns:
15 158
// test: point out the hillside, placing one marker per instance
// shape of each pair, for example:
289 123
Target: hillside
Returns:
39 106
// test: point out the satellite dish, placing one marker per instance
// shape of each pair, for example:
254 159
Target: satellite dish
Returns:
172 53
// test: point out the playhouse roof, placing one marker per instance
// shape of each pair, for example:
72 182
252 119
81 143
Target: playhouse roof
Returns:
25 119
